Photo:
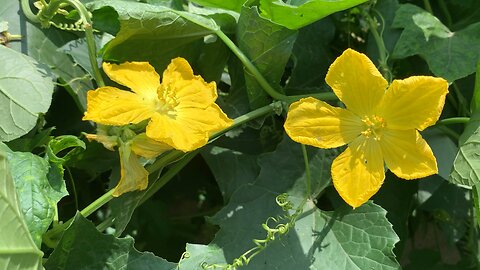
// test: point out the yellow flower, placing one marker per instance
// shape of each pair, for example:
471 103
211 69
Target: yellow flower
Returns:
379 125
181 110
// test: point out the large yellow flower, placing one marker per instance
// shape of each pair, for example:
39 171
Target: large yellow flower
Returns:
379 125
181 110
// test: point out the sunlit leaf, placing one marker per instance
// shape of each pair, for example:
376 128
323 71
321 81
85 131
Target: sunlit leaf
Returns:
25 92
302 13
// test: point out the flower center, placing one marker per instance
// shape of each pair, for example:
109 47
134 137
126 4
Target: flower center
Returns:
373 126
167 102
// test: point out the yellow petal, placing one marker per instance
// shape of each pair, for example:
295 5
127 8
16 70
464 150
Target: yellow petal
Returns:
415 102
356 82
148 148
140 77
108 142
189 90
209 120
167 130
314 122
112 106
133 175
407 154
358 172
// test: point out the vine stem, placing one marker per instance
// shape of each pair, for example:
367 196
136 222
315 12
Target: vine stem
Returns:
25 4
259 77
382 50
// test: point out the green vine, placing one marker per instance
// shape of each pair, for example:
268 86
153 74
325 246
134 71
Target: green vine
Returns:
282 225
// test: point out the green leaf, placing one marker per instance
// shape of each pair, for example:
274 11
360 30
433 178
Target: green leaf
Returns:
160 32
62 143
83 247
268 46
343 239
42 45
235 5
17 249
3 26
38 199
301 13
466 167
451 55
25 93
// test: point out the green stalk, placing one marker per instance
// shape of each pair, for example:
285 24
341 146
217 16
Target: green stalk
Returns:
428 7
307 170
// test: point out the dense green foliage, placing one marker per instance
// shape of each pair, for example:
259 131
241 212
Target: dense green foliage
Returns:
252 198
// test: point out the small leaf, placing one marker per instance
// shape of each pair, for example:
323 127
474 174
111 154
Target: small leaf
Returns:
83 247
62 143
25 93
18 251
38 199
306 12
451 55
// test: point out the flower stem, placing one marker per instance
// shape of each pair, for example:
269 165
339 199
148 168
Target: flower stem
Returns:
382 50
453 120
25 4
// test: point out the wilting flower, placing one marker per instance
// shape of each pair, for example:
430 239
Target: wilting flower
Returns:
181 114
379 125
181 110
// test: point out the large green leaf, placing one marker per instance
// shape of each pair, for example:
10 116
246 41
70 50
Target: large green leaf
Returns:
451 55
83 247
268 46
154 33
346 238
466 167
38 198
25 92
300 13
17 249
311 57
43 45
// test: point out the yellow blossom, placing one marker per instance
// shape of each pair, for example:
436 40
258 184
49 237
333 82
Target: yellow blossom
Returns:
380 125
181 110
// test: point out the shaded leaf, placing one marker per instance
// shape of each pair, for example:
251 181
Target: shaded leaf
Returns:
17 250
343 239
451 55
83 247
302 13
268 46
25 92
